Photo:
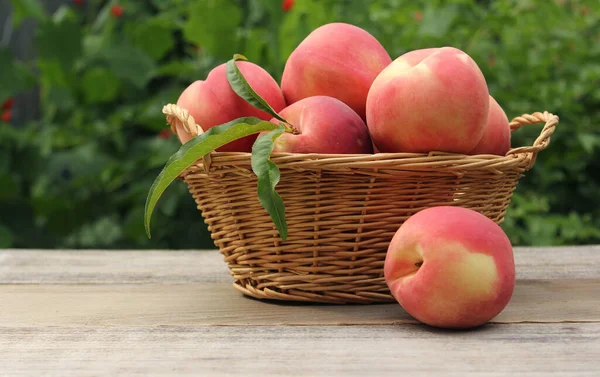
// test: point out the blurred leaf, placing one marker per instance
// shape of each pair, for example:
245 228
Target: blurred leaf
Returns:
256 42
9 188
130 63
154 37
52 73
6 237
177 68
211 18
103 232
589 141
61 97
92 46
13 76
437 21
23 9
99 85
60 41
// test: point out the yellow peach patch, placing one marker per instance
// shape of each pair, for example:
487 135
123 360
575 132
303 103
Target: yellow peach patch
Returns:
476 273
464 277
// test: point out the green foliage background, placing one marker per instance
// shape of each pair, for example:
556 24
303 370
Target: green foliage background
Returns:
78 176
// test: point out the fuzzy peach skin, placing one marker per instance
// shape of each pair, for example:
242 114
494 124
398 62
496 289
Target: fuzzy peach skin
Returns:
496 136
426 100
212 102
326 126
450 267
336 60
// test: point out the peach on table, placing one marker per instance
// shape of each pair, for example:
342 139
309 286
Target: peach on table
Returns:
450 267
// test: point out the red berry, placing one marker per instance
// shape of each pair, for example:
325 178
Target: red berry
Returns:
418 16
6 116
78 2
287 5
8 104
165 134
116 10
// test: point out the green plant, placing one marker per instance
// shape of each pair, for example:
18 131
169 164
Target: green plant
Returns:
78 175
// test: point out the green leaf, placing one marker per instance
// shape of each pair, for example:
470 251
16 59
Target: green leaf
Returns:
196 148
99 85
213 25
588 141
52 73
241 87
6 237
437 21
268 177
61 41
9 187
130 63
154 37
13 76
23 9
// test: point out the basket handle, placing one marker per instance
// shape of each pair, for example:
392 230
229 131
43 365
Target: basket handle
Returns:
175 113
543 140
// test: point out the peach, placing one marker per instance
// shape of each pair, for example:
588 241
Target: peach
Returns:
496 136
426 100
326 125
450 267
336 60
212 102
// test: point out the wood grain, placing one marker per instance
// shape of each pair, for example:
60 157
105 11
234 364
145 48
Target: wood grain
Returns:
152 266
408 350
564 300
175 313
109 267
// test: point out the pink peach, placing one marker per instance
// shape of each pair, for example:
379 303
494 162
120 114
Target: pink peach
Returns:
336 60
428 100
326 125
496 136
212 102
450 267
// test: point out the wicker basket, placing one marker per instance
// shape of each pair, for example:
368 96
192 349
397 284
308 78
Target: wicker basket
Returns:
342 211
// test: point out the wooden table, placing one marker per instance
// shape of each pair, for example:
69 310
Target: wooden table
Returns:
175 313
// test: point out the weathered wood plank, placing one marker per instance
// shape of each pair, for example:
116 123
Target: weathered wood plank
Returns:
407 350
151 266
109 267
557 262
560 300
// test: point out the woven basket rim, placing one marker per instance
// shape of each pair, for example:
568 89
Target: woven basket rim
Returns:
174 112
524 157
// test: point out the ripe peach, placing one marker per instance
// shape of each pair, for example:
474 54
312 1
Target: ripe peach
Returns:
450 267
426 100
326 125
212 102
337 60
496 136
